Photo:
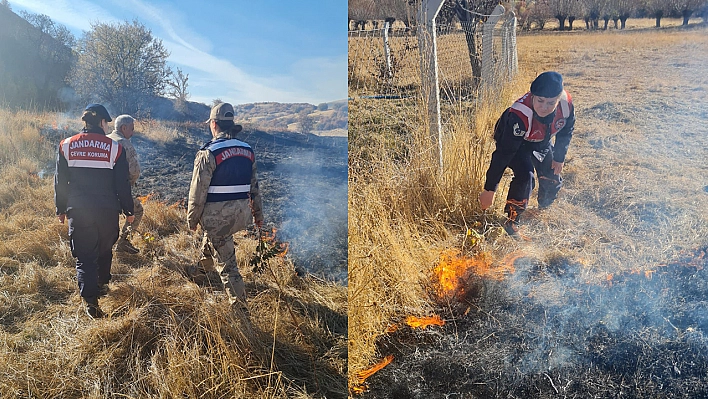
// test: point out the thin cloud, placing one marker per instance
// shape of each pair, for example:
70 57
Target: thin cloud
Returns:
77 14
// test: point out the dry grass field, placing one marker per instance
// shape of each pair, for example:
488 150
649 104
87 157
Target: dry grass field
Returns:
604 297
165 336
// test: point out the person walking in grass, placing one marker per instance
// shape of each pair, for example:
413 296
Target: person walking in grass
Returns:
91 188
224 198
123 131
523 136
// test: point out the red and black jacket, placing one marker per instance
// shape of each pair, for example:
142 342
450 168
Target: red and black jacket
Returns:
520 128
91 172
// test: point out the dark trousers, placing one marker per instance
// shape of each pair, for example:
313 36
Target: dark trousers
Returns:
526 160
93 233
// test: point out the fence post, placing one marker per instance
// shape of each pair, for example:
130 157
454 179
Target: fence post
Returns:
427 43
387 49
511 64
488 46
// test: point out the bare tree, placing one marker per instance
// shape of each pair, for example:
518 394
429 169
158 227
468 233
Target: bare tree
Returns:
622 9
688 7
656 9
122 64
400 10
45 24
530 13
564 9
593 11
177 89
471 14
360 11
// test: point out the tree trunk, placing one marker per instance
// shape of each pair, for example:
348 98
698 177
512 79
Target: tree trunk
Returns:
616 22
473 49
686 16
587 23
658 16
623 21
561 22
570 22
607 22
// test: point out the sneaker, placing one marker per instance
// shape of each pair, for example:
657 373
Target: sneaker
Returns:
125 246
92 308
103 289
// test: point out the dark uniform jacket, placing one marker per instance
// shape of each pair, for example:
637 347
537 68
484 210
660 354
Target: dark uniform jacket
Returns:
520 129
92 172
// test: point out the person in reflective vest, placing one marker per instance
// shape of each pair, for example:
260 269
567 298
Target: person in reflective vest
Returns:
224 198
523 136
91 188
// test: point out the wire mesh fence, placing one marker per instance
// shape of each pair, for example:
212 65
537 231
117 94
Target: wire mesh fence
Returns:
385 64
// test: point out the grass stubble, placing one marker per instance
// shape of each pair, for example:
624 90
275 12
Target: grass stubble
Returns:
166 336
634 196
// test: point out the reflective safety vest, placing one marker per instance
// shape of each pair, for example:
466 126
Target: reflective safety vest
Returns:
234 166
90 150
534 130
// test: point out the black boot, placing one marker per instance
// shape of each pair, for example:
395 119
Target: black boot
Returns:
124 245
92 308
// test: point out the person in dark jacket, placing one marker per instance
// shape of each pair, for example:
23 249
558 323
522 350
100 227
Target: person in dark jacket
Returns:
91 188
523 136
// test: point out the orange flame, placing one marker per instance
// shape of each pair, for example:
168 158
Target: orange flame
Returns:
145 198
363 375
453 270
284 246
392 328
423 322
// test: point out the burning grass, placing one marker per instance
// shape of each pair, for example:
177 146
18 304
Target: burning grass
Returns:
583 308
165 335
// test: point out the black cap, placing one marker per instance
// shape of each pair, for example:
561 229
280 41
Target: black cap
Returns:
100 110
548 84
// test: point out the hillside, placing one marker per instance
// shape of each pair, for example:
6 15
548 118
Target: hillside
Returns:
331 120
33 65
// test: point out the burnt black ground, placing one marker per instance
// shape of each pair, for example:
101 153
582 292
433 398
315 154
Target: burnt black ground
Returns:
547 333
303 181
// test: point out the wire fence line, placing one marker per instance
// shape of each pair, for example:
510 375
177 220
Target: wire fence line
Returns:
386 64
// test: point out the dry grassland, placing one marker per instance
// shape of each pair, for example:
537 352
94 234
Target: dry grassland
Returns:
634 195
166 336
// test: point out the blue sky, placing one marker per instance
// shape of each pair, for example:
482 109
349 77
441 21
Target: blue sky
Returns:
239 51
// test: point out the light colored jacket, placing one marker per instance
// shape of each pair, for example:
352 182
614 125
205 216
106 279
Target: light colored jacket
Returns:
131 155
